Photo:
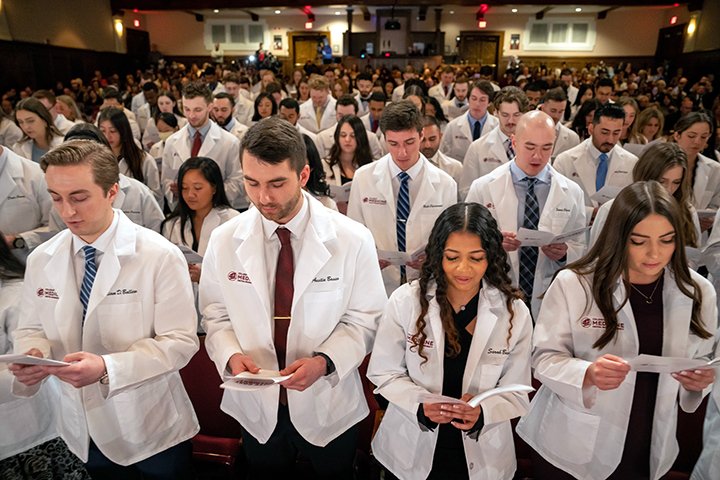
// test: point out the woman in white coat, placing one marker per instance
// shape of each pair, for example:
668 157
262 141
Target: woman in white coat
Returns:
153 133
459 330
39 132
201 208
692 133
29 443
665 163
133 161
633 293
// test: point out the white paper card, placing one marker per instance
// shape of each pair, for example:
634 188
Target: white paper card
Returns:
606 193
400 258
538 238
340 193
246 381
656 364
30 360
475 401
191 256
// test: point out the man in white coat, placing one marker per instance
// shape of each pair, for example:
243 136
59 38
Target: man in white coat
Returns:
529 187
222 113
114 300
443 90
494 148
466 128
599 161
292 286
399 196
244 107
289 110
319 113
364 83
204 138
554 104
24 202
457 104
430 147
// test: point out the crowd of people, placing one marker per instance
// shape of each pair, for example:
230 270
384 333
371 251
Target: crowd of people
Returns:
465 234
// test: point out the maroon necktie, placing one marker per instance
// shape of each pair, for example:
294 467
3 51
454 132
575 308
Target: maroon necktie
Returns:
373 125
197 143
283 299
445 87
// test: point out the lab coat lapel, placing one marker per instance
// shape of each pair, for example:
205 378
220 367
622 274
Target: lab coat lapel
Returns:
438 334
7 181
677 310
586 170
313 253
212 137
384 184
502 193
60 271
251 256
426 190
484 326
556 196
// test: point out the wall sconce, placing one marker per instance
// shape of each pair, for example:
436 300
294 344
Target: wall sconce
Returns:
119 28
692 25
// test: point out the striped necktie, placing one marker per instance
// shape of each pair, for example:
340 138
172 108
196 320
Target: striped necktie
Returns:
529 255
509 150
403 211
88 277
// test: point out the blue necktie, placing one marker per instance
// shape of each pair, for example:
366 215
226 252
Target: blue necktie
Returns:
476 130
529 255
88 277
601 174
403 211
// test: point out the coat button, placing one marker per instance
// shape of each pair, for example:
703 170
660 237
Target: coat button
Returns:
471 465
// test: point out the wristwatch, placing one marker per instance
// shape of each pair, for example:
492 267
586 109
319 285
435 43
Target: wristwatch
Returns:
104 380
19 242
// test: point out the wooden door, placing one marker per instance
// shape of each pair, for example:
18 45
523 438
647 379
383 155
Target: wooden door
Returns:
482 48
304 47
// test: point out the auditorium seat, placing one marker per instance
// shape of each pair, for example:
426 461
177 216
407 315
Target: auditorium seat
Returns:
218 441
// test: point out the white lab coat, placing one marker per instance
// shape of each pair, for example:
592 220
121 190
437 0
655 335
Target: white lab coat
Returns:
373 203
363 107
10 133
137 101
151 176
438 92
327 138
483 156
216 217
239 130
63 124
142 116
308 119
577 165
452 110
337 302
27 422
316 141
24 200
404 446
448 165
244 109
151 135
378 133
582 430
140 318
24 147
135 200
458 137
708 464
706 190
565 139
563 212
221 146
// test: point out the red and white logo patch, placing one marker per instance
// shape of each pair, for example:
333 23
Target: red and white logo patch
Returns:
47 293
238 277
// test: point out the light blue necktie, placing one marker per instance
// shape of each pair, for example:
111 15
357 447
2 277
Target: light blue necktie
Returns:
403 211
88 277
601 174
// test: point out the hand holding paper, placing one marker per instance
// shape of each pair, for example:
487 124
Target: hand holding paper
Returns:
474 401
539 238
247 382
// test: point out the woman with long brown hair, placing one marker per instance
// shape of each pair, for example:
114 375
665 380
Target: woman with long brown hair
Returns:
595 416
459 330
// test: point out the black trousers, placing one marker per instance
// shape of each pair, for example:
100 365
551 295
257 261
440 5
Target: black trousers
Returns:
175 463
278 457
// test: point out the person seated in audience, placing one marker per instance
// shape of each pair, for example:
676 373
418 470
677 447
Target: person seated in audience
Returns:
67 107
430 147
39 132
222 113
148 109
457 104
166 103
554 104
584 118
202 207
10 133
132 160
632 293
529 193
665 163
49 101
631 111
265 107
316 185
347 105
648 127
460 330
692 133
399 196
470 126
599 161
434 109
585 93
495 147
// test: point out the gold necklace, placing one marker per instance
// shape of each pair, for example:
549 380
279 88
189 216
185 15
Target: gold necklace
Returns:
648 300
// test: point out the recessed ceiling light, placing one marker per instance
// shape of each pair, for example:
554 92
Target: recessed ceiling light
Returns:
337 13
277 12
578 9
514 10
452 12
216 11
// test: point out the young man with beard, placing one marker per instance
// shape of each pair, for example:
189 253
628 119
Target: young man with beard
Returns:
222 112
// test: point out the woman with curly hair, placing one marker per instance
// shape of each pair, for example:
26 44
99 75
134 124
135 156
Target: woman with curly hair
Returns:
459 330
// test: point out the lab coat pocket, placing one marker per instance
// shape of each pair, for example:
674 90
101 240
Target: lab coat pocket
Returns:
490 376
21 422
568 433
321 311
146 411
120 325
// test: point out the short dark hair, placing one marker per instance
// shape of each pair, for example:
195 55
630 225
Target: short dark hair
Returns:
231 77
226 96
429 121
401 116
556 94
46 94
198 89
565 71
346 100
485 87
533 87
87 131
274 140
147 86
169 119
290 103
377 97
511 95
610 110
111 92
605 82
364 76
